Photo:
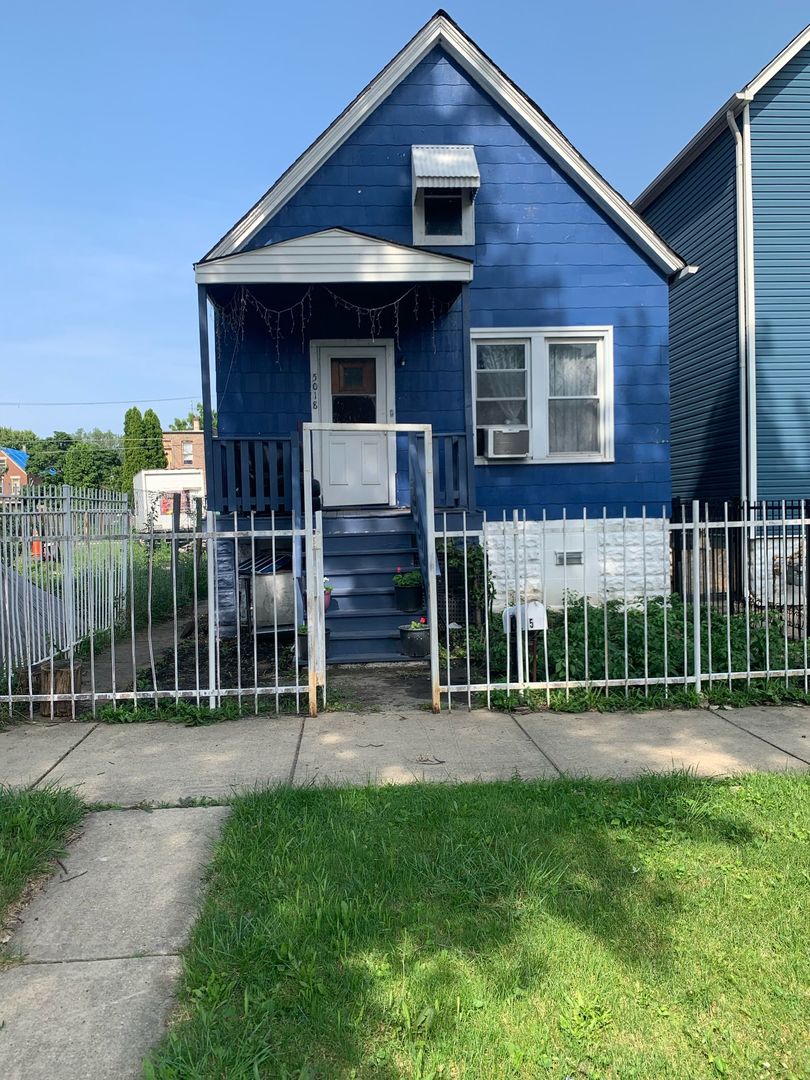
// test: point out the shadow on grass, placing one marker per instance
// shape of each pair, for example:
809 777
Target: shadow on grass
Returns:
369 929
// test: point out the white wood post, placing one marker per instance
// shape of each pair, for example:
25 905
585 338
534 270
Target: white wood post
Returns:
696 595
433 605
213 629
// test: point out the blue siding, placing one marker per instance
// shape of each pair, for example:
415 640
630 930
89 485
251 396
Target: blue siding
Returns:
697 216
780 139
544 256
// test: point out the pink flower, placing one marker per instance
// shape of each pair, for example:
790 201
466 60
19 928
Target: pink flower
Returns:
423 619
399 569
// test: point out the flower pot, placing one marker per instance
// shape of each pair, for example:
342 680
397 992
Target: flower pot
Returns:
327 599
303 643
408 597
414 643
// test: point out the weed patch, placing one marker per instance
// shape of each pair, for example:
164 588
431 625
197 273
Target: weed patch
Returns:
34 826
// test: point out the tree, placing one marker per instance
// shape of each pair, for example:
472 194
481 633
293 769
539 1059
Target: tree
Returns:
186 423
90 466
108 440
153 441
47 459
18 439
134 457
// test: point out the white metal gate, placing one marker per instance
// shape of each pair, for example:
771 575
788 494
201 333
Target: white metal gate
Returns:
420 477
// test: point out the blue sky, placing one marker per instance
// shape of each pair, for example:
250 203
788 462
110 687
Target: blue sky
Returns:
134 135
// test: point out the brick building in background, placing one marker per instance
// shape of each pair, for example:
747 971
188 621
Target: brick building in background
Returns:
185 449
13 475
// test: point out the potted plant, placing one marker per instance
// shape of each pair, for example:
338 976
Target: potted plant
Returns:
303 642
414 639
327 593
408 589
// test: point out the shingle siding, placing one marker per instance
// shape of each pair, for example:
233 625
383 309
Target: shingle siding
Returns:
697 216
544 256
780 142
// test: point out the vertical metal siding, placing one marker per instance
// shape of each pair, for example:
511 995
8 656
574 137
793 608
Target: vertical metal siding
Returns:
697 216
780 143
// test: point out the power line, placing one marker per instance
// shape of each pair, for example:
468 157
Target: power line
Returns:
125 401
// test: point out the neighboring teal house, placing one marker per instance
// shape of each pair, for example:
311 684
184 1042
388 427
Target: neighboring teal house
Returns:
736 202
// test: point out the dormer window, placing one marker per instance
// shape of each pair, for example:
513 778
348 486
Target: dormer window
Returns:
443 212
445 180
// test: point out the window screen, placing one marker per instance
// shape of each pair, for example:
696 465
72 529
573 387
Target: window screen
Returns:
501 386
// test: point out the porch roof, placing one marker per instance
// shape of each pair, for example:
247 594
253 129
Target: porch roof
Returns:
333 255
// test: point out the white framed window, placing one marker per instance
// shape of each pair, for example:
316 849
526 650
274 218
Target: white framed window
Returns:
188 453
557 382
502 382
444 182
444 216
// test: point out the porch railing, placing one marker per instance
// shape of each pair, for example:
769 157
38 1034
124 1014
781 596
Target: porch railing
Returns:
254 474
263 474
451 482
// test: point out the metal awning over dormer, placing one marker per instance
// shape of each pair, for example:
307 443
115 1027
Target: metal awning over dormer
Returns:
444 167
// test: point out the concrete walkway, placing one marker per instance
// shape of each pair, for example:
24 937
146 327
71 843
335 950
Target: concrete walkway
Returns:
101 947
101 942
128 765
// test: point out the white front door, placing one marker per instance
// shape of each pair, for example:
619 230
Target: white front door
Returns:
356 383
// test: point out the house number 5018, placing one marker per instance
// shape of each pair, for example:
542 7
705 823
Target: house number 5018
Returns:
314 393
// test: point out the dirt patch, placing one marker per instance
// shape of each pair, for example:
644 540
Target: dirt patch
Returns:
379 687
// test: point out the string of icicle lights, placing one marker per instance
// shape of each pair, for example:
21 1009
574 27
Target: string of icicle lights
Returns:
290 322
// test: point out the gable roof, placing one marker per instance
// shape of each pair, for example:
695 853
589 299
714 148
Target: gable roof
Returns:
19 457
332 255
712 128
442 30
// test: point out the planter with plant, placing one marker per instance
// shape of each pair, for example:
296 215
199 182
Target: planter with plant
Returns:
327 593
303 642
414 639
459 570
408 589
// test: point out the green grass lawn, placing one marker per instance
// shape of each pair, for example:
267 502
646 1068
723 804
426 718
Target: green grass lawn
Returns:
34 826
652 929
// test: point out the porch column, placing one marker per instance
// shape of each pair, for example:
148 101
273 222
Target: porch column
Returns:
211 480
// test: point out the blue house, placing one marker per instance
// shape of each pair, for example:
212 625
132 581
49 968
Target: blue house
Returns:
736 201
440 255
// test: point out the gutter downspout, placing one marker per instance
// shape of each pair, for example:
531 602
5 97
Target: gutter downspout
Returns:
746 311
741 306
750 304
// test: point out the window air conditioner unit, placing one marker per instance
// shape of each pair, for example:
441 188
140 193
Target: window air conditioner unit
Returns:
511 442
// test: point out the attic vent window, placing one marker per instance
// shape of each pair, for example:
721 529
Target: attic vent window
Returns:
569 558
444 182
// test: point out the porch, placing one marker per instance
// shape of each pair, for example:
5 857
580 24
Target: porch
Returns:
263 474
334 328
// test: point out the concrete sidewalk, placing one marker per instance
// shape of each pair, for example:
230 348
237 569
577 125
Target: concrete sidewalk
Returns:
164 763
101 943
